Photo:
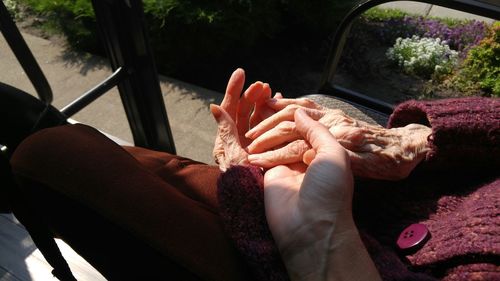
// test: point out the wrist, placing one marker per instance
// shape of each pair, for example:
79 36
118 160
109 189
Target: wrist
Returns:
388 154
328 251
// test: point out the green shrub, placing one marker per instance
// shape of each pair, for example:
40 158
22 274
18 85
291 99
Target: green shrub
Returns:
377 14
74 18
13 8
315 17
193 38
190 35
481 68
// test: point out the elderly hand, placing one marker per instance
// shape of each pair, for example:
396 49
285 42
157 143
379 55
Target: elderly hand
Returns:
236 115
375 152
308 209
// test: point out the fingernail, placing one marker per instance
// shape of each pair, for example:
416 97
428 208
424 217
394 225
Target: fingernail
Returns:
215 110
250 148
250 134
271 101
299 111
302 112
278 95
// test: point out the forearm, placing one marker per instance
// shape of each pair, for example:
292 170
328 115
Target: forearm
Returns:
351 261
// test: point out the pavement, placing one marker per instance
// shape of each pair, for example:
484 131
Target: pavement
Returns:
432 10
71 74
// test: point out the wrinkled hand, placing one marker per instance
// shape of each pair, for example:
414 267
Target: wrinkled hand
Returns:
375 152
236 115
308 209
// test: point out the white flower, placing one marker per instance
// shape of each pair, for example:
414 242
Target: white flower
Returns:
423 56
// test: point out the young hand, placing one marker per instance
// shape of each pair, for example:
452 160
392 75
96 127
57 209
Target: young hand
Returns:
308 209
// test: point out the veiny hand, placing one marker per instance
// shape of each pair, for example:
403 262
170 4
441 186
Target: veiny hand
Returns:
375 152
308 209
236 115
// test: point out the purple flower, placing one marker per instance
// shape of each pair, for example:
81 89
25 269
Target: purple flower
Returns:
460 37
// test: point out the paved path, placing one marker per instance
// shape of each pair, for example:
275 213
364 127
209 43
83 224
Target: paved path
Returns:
71 74
432 10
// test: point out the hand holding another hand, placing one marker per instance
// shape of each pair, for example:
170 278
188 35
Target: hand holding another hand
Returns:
308 206
375 152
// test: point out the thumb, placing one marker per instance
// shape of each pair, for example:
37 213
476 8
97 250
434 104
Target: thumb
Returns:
316 134
227 132
221 116
308 156
328 180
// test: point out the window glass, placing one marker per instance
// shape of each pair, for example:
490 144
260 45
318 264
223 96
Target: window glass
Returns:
410 50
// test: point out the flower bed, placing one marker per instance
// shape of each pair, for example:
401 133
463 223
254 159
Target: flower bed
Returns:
426 57
407 56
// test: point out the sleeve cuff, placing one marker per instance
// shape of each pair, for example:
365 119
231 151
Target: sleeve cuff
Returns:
463 129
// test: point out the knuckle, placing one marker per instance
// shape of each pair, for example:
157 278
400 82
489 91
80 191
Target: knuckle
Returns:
307 102
292 107
298 147
286 127
315 114
280 154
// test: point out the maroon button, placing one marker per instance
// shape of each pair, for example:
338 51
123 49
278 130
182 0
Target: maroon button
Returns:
413 237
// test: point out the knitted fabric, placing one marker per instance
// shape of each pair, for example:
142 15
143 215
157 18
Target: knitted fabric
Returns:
460 210
461 215
462 128
241 207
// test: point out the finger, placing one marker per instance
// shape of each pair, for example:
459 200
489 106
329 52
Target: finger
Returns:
233 91
283 133
261 111
218 151
246 105
319 137
278 95
228 148
287 114
279 104
308 156
265 95
291 153
227 132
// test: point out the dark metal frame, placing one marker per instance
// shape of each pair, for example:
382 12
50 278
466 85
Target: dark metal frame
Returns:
122 28
327 87
24 56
